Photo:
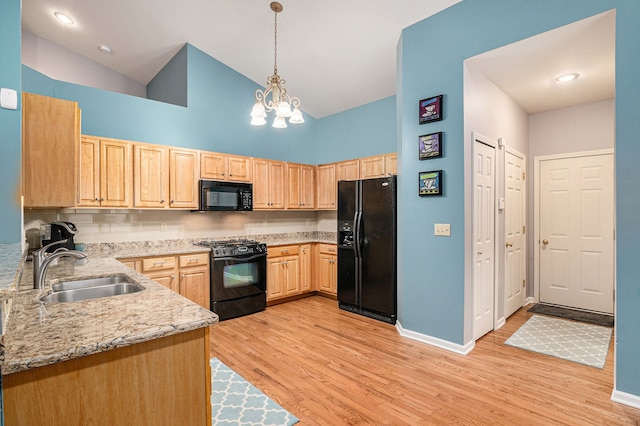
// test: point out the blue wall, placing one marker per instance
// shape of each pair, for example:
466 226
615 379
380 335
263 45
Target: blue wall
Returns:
216 119
359 132
10 122
431 58
170 84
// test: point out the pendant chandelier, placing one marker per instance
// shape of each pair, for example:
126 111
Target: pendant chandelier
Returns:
279 100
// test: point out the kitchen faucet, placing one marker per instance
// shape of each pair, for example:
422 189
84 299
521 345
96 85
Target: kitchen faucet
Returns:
42 260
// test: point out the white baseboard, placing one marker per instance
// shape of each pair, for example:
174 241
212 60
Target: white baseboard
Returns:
500 322
434 341
529 300
626 398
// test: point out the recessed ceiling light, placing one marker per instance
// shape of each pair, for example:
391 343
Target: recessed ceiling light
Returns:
567 77
65 19
105 49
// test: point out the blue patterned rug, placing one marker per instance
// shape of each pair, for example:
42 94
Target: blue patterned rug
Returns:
234 401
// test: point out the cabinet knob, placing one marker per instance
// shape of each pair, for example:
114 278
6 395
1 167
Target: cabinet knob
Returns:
162 201
101 199
97 199
172 201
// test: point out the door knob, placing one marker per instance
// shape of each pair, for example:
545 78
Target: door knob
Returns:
509 244
545 242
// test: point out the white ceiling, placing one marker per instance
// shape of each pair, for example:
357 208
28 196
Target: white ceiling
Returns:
526 70
334 54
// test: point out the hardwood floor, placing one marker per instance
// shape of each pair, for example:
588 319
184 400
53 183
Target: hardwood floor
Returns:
330 367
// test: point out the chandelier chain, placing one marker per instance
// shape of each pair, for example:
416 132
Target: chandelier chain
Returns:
275 44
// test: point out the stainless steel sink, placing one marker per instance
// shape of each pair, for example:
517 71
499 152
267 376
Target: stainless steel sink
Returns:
93 288
92 282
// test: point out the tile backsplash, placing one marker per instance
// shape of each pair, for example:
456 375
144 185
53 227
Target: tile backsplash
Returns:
103 226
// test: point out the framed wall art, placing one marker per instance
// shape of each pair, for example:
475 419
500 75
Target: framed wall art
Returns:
430 146
430 109
430 183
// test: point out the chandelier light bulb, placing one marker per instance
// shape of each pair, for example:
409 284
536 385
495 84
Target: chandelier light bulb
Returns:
296 116
284 109
279 122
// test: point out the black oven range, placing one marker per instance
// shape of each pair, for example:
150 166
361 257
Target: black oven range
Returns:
238 277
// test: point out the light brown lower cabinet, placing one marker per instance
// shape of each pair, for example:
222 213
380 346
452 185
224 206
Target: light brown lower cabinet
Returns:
327 269
186 274
299 269
158 382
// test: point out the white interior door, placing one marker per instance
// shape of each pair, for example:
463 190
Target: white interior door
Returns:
515 241
576 213
484 168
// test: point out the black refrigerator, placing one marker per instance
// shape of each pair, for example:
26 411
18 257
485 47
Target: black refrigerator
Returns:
367 247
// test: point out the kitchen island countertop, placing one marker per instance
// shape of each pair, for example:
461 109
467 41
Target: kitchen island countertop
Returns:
38 333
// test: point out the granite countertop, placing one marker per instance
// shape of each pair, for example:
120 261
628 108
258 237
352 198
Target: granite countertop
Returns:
123 250
38 333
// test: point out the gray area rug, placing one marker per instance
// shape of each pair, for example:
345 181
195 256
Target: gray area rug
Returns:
574 341
572 314
234 401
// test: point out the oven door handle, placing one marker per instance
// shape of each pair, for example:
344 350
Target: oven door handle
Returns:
256 256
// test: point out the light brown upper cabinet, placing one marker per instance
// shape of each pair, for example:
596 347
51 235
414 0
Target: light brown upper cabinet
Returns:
165 177
150 176
327 188
348 170
378 166
300 186
50 151
217 166
104 173
268 184
183 179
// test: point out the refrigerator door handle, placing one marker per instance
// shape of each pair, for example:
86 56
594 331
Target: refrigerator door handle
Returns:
357 231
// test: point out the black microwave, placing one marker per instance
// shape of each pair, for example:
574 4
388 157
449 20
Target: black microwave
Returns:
225 196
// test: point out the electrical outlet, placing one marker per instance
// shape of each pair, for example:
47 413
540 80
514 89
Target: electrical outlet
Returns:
163 227
442 229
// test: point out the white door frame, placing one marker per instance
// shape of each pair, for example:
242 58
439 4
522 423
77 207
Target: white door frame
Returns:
536 211
475 138
518 154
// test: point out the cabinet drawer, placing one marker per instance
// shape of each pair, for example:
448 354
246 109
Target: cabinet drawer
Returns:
283 251
327 248
158 263
195 259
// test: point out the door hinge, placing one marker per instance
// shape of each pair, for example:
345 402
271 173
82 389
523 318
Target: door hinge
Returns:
614 235
523 283
523 175
524 229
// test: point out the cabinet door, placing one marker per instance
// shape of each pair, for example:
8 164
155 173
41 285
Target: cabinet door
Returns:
372 167
213 166
115 174
325 272
275 278
167 279
291 266
151 176
307 186
293 183
239 168
194 285
260 184
277 184
327 187
50 144
391 164
305 268
348 170
183 179
89 173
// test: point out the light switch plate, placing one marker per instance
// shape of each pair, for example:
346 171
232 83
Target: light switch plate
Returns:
442 229
8 98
